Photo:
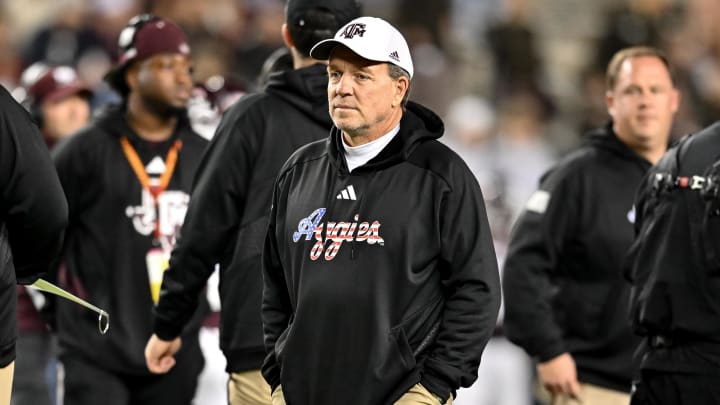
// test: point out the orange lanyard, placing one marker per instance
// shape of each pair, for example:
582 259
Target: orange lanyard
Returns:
139 169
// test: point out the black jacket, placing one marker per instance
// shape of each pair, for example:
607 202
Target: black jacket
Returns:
562 280
111 230
228 213
406 292
33 213
674 263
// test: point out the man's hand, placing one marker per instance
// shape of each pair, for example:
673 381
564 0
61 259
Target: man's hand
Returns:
160 354
559 376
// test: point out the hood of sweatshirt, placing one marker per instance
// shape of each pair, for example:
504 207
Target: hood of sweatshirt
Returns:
606 139
305 89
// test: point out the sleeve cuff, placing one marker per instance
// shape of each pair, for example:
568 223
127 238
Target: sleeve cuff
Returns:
436 386
551 352
166 330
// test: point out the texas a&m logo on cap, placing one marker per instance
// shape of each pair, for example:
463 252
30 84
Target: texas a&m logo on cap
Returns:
353 29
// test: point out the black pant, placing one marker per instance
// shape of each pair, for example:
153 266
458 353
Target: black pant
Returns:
88 383
663 388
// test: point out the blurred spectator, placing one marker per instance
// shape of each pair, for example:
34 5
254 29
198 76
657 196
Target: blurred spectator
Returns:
504 376
636 22
522 137
209 101
56 98
263 18
513 45
67 39
127 178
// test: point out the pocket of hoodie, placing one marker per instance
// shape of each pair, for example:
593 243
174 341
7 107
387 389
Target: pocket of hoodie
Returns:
281 342
402 347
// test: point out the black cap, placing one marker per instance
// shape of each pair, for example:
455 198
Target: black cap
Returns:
344 10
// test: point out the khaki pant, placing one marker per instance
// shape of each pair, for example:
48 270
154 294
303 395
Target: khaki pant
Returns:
277 396
248 388
6 380
594 395
418 395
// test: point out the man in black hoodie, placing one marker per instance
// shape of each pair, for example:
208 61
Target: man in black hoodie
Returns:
381 283
127 178
565 298
34 216
228 213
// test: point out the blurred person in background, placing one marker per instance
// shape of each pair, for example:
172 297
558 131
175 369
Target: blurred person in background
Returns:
69 38
505 373
57 100
59 103
228 212
127 178
209 102
34 216
566 300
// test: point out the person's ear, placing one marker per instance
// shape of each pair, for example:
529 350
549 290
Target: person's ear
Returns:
401 87
286 36
610 102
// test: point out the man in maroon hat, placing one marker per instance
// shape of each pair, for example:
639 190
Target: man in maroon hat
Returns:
127 179
227 216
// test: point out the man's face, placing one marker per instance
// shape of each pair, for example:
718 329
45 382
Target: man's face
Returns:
643 102
65 116
364 101
164 80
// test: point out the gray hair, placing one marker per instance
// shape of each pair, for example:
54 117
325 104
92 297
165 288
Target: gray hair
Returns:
397 72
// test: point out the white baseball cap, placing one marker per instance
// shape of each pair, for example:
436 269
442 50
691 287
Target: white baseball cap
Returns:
373 39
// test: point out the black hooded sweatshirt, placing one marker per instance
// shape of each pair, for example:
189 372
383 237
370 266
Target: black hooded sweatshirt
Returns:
228 212
112 222
562 281
33 213
381 278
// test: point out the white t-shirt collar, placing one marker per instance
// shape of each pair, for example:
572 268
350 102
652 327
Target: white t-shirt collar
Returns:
356 156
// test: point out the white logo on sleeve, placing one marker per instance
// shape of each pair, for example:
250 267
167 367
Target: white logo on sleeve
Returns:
538 202
631 215
348 193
